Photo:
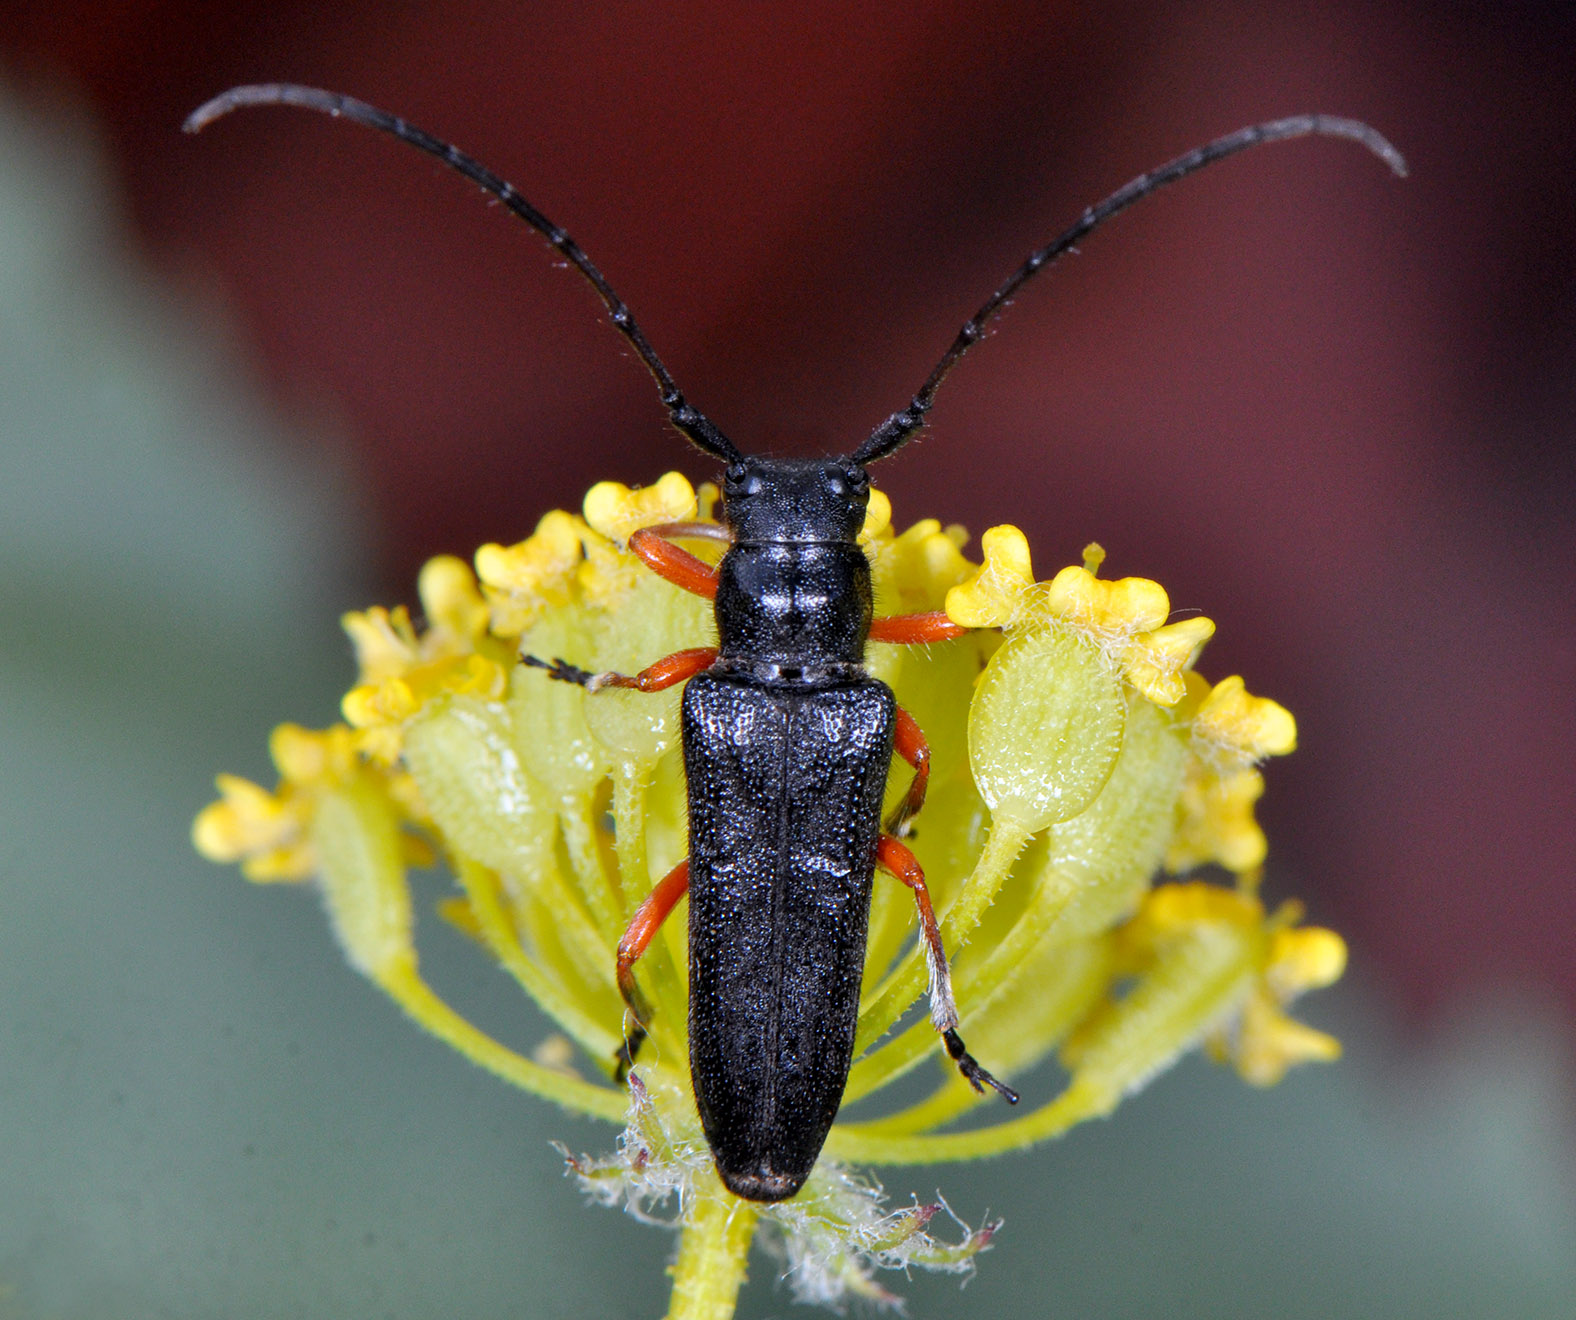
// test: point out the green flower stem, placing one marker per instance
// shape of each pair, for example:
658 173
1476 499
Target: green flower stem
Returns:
548 895
1007 839
579 826
630 778
401 981
1080 1101
948 1101
714 1250
481 890
891 930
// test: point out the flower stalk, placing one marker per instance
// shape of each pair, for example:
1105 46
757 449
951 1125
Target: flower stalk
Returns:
714 1247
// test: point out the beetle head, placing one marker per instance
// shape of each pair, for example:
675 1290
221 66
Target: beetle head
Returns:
795 499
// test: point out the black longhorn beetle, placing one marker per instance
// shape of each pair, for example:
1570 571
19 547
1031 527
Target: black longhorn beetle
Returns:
788 741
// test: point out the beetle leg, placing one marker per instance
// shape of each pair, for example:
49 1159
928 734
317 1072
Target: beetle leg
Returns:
893 856
674 565
638 935
664 673
909 743
911 629
677 566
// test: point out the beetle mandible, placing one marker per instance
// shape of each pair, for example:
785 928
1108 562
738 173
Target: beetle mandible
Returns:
787 739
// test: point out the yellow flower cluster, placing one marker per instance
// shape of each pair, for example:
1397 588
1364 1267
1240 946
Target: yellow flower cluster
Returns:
1075 753
402 672
269 833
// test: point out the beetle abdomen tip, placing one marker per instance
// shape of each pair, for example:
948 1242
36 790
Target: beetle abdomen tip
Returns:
761 1184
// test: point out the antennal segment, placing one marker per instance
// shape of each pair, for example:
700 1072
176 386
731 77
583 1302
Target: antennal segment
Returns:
900 426
690 421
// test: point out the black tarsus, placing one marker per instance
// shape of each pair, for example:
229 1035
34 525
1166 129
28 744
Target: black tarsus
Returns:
976 1076
560 669
900 426
694 424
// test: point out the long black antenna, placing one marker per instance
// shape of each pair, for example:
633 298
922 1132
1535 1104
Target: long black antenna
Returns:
900 426
690 421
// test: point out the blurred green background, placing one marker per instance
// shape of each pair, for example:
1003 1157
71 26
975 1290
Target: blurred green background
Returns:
204 1113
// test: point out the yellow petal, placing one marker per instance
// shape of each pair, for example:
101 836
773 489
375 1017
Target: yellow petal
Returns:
381 743
450 598
1238 724
878 516
312 756
1307 958
995 596
607 574
247 818
1155 662
916 569
1125 605
384 640
616 510
477 676
1173 910
1267 1043
289 865
373 704
1216 823
520 581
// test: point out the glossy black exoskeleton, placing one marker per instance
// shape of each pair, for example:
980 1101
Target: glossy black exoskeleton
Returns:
787 739
787 742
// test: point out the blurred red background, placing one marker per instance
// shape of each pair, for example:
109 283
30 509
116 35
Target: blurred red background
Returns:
1329 409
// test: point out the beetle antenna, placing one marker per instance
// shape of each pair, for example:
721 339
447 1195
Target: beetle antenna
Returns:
893 433
694 424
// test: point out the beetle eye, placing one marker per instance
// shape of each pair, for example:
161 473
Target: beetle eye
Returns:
733 474
858 480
